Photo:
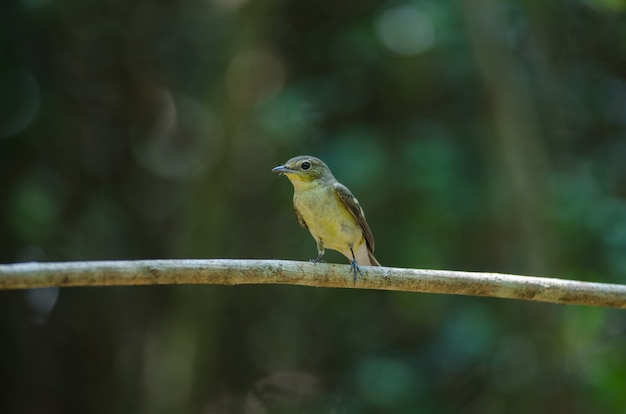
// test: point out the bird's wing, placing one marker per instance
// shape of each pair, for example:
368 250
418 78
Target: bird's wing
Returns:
300 219
353 206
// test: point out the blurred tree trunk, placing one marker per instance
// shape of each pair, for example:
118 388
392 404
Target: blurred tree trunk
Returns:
517 137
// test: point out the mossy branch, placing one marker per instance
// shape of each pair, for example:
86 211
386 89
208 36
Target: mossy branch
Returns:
246 272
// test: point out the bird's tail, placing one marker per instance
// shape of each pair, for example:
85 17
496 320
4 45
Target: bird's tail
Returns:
373 261
363 256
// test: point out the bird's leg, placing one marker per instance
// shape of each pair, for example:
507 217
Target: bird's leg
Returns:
320 252
355 266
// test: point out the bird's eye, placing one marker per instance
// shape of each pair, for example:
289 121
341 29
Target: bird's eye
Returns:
305 165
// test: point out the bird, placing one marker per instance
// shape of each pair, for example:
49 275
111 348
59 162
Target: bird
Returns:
329 211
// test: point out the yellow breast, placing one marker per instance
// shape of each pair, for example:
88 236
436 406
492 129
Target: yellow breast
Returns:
327 218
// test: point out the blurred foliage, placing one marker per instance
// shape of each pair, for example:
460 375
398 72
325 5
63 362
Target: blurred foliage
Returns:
478 135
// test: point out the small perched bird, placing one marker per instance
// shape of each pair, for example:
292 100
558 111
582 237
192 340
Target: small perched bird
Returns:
329 211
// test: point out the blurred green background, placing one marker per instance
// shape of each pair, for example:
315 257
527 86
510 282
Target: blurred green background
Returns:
478 135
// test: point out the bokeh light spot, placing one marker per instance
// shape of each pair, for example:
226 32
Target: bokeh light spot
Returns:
35 205
405 30
178 138
42 302
386 381
289 117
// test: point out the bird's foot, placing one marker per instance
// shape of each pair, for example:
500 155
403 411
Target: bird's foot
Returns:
355 269
318 259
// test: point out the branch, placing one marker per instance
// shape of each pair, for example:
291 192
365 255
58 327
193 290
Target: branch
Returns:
241 272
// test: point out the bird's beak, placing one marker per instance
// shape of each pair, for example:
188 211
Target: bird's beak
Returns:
281 169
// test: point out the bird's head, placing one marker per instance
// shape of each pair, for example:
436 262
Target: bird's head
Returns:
304 169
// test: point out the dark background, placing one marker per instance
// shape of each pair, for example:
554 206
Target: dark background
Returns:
478 135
